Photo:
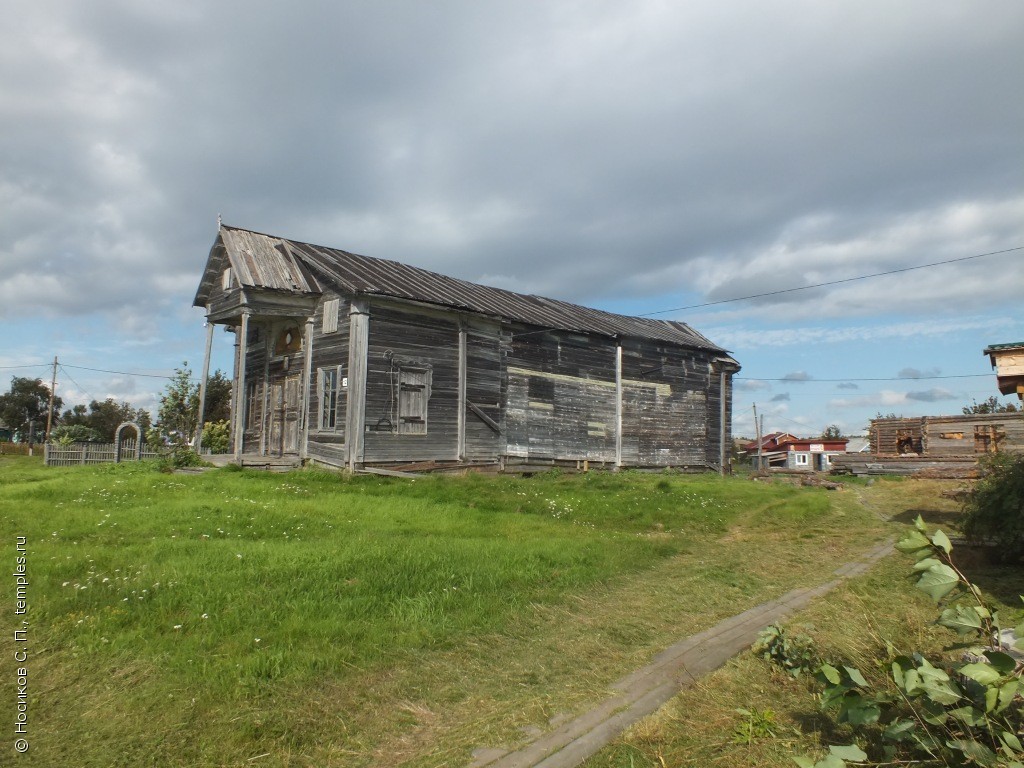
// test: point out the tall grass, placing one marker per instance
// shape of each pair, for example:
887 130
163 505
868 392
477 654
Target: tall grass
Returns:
162 603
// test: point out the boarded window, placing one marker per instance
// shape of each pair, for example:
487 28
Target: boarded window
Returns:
330 387
541 390
331 315
413 395
225 279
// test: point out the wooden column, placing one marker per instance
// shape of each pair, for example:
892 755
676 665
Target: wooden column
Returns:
243 348
265 409
307 370
355 412
234 391
618 405
202 386
460 452
721 420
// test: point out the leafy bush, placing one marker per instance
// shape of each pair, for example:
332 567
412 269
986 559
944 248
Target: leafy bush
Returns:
74 433
969 713
994 509
794 653
217 436
179 456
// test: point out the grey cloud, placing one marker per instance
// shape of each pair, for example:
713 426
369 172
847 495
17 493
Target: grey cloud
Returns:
931 395
516 140
914 373
847 385
797 377
781 398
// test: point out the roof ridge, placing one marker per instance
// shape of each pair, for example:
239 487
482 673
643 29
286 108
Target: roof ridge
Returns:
542 311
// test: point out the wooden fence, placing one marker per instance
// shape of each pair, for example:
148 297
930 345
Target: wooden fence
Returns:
94 453
19 449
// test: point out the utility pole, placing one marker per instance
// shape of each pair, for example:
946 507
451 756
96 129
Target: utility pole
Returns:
757 429
49 410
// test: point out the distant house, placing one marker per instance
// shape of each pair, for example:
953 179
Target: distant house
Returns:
1008 360
359 362
781 450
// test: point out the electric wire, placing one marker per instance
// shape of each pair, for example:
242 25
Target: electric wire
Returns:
833 282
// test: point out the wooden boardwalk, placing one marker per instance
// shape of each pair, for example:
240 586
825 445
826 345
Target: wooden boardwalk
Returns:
644 691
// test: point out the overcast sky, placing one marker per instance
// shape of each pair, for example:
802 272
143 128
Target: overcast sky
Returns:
636 157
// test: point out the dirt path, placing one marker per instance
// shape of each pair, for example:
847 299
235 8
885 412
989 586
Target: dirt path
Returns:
644 691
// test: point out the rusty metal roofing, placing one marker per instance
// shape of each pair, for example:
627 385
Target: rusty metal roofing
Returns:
274 262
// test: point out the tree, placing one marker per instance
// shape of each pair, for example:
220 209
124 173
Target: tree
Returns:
104 417
992 405
25 408
218 398
832 432
178 414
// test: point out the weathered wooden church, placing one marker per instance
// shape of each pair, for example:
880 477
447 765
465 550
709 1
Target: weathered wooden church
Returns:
360 362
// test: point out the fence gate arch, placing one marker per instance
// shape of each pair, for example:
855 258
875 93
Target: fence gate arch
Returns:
137 451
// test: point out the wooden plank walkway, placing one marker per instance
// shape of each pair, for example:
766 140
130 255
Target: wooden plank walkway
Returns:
644 691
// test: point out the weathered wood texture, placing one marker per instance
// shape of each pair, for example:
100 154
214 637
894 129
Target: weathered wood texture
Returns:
55 455
860 464
273 393
330 350
895 436
484 394
560 396
561 401
669 418
941 436
975 433
411 340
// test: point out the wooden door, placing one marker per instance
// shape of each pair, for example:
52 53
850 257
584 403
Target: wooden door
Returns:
291 415
284 422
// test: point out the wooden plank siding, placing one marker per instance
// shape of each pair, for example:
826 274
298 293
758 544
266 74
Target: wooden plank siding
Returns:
443 371
419 339
667 417
485 391
330 350
560 396
948 436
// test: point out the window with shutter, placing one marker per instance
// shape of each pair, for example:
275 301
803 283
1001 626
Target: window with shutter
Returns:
331 315
413 395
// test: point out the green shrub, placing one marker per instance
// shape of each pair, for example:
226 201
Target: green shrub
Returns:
178 457
794 653
217 436
74 433
994 509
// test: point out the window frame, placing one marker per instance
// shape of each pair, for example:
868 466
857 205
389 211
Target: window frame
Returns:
801 459
328 397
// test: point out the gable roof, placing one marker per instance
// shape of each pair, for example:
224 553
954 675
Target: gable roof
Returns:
274 263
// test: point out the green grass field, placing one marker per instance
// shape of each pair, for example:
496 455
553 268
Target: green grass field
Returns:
245 618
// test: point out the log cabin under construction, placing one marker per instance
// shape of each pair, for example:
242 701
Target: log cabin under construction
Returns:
359 362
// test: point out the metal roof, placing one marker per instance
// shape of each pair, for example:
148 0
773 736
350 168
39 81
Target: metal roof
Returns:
276 263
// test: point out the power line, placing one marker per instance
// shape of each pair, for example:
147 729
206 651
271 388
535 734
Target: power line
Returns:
832 282
61 366
122 373
886 378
